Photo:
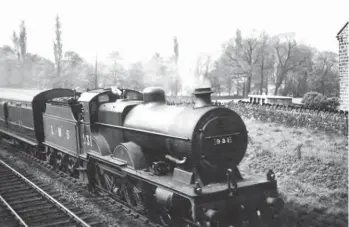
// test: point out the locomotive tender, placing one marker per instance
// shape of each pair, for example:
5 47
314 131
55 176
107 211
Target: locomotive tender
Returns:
176 164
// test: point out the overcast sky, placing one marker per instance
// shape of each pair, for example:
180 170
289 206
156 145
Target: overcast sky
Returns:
139 28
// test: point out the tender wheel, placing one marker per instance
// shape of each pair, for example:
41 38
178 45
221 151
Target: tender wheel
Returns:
49 157
72 165
60 161
27 149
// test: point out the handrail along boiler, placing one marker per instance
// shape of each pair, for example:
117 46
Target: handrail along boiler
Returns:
177 164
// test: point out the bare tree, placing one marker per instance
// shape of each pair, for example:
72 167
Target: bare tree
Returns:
136 76
95 74
176 56
20 48
15 43
76 72
325 74
224 77
203 67
9 75
299 76
117 69
327 61
266 61
58 50
288 59
215 76
243 56
22 41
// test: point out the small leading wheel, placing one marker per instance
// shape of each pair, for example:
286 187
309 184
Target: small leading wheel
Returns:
166 219
49 157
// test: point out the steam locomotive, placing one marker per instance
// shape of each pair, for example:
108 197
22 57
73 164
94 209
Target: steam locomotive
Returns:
176 164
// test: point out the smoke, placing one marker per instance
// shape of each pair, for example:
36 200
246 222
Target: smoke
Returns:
202 82
196 77
159 72
192 82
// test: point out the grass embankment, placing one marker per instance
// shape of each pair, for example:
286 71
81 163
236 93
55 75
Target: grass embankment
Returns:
311 168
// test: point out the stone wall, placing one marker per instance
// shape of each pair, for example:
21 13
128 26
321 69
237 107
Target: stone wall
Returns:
343 67
293 117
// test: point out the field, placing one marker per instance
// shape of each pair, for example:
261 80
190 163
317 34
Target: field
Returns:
311 168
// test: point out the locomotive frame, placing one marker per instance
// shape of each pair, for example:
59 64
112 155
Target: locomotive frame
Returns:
87 137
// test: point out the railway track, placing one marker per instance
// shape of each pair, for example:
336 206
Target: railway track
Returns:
118 207
8 218
24 203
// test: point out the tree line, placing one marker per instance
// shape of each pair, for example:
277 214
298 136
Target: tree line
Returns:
250 64
275 65
21 69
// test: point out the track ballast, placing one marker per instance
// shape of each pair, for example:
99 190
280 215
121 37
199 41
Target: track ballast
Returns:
27 204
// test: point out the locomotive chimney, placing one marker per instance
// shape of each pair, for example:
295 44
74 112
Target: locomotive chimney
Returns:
202 97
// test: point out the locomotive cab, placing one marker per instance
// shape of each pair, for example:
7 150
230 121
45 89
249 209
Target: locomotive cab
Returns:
100 107
92 100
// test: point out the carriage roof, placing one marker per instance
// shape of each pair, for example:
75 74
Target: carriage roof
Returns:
30 95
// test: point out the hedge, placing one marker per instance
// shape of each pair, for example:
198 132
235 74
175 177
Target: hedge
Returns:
315 100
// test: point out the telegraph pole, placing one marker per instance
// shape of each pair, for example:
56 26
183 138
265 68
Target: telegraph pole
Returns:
96 76
175 49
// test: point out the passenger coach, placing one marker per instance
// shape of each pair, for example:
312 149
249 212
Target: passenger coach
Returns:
21 113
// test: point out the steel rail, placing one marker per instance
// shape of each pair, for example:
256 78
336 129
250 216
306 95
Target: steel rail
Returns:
42 192
22 223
